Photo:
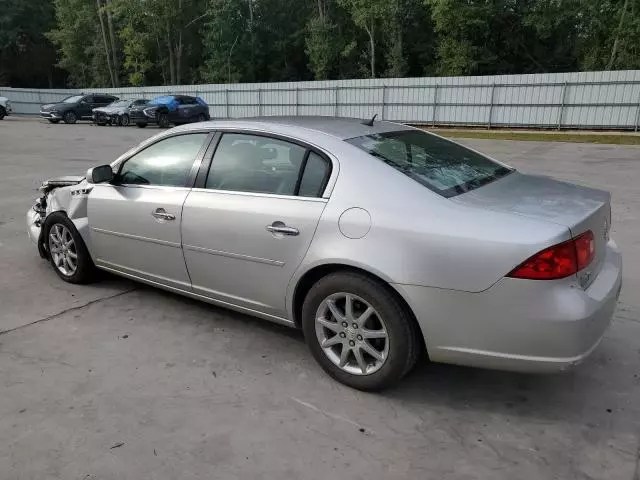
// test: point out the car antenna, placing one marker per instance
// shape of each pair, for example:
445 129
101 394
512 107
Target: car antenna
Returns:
369 123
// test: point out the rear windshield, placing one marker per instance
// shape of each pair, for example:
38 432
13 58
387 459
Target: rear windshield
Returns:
440 165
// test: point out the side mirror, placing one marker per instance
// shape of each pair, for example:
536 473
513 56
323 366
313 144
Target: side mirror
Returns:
101 174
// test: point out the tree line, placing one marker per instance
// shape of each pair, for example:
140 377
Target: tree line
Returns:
100 43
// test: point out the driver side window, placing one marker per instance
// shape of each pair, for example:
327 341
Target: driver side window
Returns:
165 163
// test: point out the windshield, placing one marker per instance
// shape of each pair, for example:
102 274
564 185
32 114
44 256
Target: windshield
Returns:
440 165
72 99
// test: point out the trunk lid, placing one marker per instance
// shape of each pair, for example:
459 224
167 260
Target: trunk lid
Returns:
543 198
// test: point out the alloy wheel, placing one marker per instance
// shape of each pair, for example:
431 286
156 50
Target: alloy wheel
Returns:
63 250
352 334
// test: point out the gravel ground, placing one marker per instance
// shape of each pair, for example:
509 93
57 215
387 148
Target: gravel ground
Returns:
120 381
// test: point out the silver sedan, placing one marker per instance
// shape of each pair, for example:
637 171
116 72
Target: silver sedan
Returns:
384 243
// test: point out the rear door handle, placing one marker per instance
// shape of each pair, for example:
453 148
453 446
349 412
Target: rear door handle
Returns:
161 214
280 227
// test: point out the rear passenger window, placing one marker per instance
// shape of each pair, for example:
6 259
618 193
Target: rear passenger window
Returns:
313 178
256 164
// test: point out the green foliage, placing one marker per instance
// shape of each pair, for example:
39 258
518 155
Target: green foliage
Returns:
92 43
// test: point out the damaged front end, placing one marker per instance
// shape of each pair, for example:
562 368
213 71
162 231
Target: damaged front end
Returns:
58 194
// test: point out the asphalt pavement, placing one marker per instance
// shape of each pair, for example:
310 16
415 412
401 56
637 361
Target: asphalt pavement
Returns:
117 380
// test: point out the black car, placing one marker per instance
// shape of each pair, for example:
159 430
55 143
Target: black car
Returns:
176 109
117 113
75 107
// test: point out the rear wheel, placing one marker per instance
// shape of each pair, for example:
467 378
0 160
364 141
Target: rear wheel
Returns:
359 332
124 120
68 253
202 117
70 118
141 125
3 112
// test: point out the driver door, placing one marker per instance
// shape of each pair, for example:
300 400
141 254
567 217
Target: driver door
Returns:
135 221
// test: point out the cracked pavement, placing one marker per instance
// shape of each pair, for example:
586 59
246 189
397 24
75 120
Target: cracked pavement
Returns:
121 381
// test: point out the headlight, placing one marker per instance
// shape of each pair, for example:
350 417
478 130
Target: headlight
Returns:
150 112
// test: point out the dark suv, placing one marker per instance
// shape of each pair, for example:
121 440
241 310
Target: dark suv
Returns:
166 109
75 107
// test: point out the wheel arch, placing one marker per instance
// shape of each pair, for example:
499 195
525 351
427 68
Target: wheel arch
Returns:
312 275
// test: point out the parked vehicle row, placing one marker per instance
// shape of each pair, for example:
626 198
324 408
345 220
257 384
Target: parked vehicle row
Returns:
105 109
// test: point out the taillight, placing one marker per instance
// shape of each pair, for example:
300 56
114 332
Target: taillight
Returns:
585 249
558 261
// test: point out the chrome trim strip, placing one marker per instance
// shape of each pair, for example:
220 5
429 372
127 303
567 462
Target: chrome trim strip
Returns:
136 237
197 296
276 263
261 195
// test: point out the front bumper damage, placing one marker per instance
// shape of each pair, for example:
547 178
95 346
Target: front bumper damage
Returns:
37 214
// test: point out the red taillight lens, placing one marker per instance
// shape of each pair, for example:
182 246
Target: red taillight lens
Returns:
559 261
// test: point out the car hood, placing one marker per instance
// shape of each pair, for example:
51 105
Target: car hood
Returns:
139 108
110 109
53 106
57 182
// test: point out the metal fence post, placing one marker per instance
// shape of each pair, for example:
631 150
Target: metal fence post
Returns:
227 101
297 101
335 97
493 92
259 102
384 101
561 113
435 105
637 115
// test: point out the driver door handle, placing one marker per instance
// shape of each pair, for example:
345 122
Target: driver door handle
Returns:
161 214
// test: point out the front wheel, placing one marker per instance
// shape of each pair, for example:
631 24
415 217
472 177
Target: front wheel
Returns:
3 112
124 120
70 118
68 253
359 332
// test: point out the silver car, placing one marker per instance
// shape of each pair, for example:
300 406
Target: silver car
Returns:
384 243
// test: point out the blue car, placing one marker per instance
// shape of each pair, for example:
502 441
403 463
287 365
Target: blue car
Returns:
170 109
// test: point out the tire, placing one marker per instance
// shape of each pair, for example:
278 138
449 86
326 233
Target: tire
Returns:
163 120
141 125
3 112
58 225
70 117
390 317
124 120
202 117
53 120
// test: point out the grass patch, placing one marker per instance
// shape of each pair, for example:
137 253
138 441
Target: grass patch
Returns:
614 139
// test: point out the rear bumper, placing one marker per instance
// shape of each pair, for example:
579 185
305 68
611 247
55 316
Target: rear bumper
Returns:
521 325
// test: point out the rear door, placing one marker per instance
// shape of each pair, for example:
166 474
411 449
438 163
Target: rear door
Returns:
186 109
135 221
85 106
250 224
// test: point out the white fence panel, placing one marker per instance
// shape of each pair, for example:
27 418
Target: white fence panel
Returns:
594 100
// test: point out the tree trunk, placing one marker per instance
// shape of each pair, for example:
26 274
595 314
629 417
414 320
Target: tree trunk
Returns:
372 48
161 62
253 43
106 45
114 53
178 60
614 49
172 68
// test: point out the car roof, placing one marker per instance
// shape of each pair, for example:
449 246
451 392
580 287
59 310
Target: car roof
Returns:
339 127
